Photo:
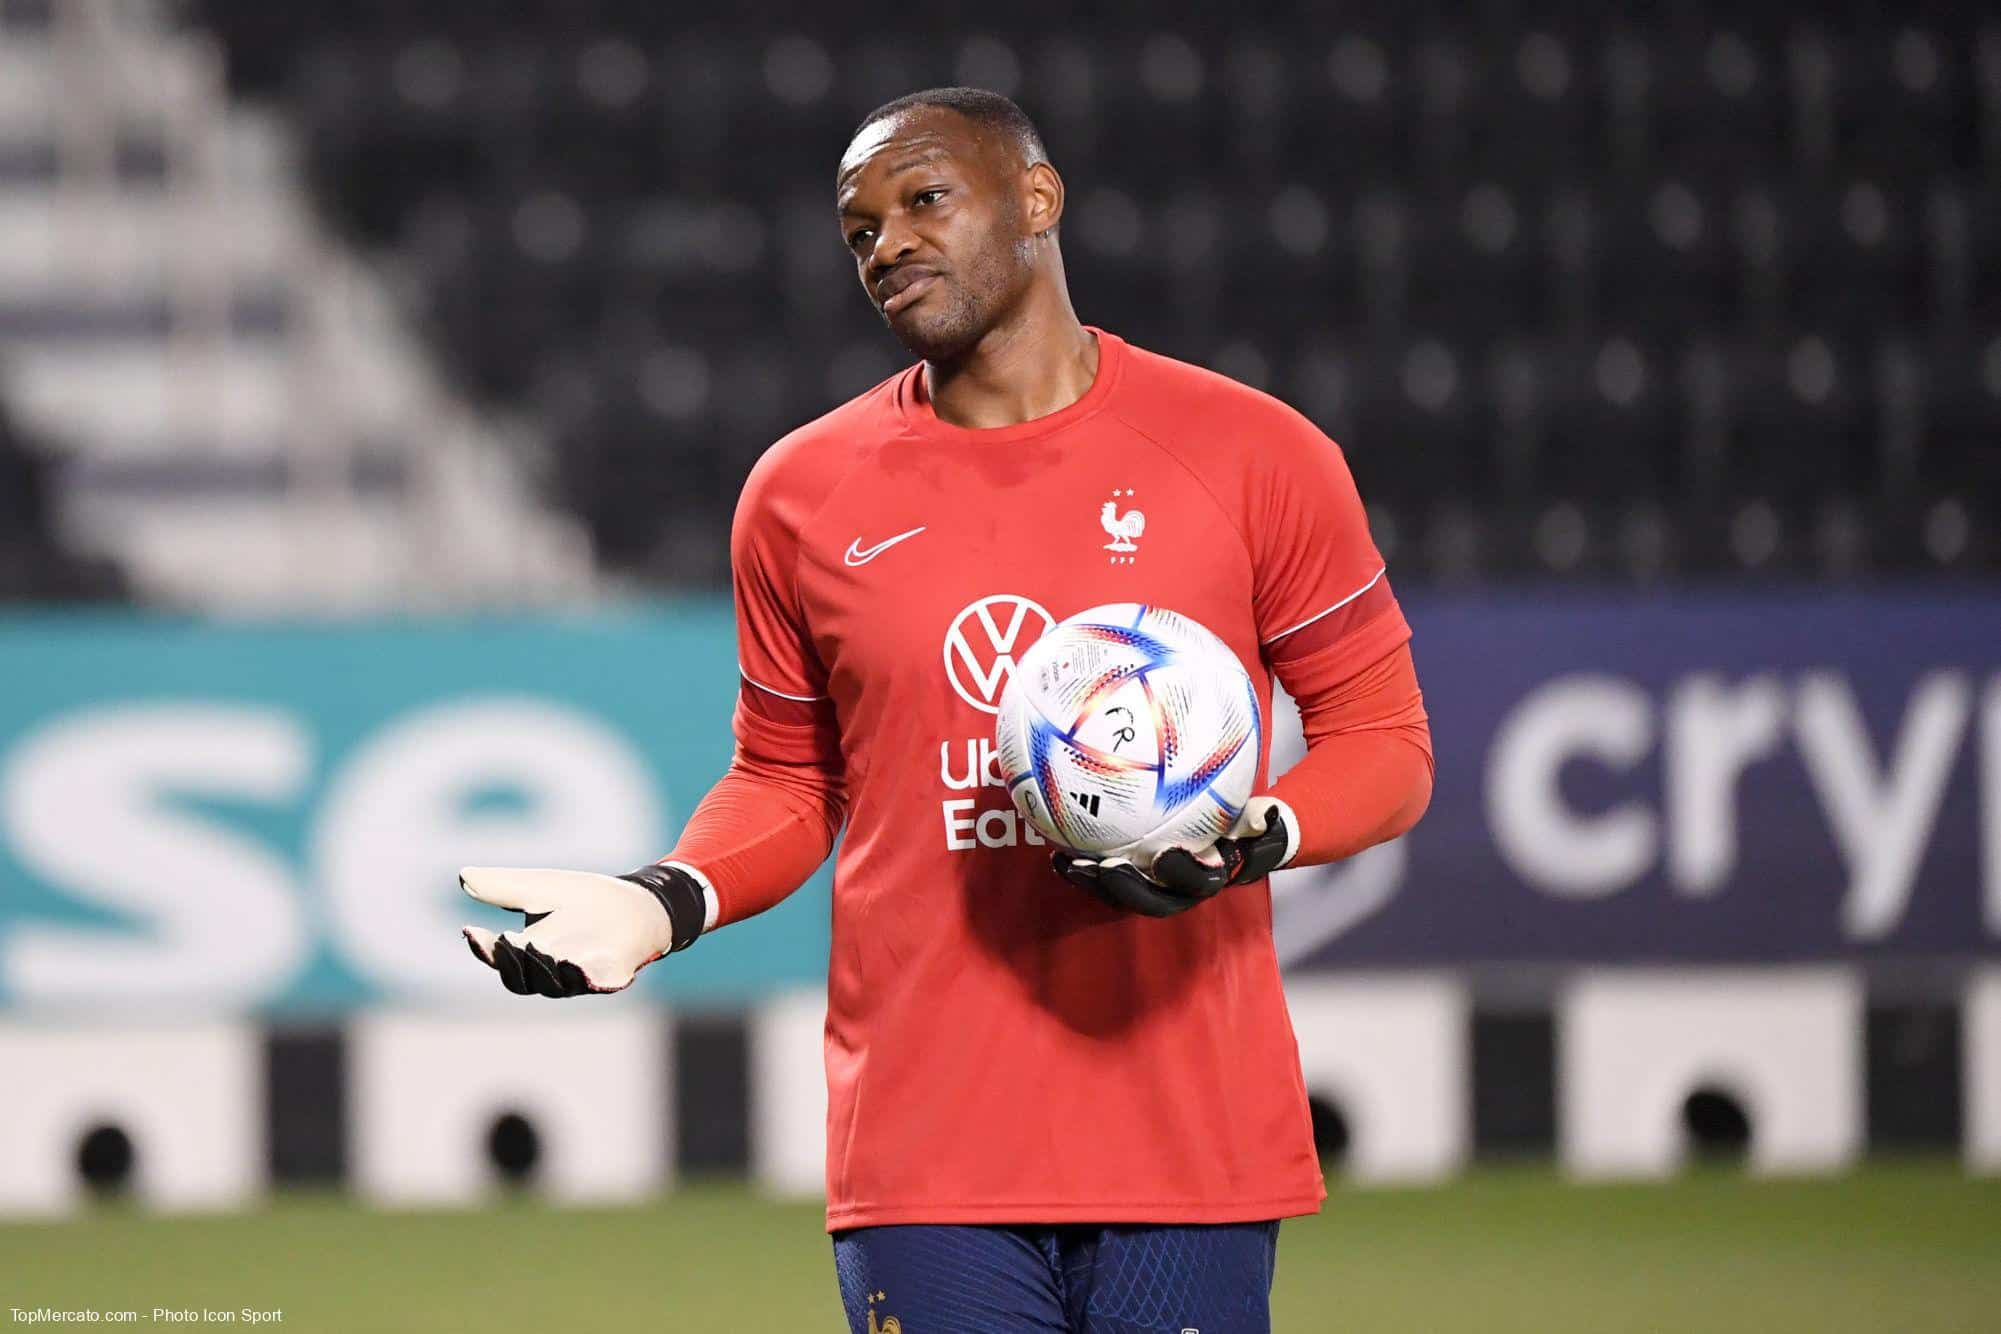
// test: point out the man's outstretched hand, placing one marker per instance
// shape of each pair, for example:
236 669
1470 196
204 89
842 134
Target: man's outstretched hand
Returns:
1264 838
585 933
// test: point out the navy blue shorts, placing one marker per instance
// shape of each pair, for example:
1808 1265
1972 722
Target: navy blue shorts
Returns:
1074 1279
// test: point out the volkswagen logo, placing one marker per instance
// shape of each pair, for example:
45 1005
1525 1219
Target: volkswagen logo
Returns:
983 643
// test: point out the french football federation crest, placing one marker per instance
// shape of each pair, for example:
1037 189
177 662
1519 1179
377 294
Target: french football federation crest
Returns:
1125 528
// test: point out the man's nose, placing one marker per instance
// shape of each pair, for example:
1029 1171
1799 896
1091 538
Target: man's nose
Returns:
892 243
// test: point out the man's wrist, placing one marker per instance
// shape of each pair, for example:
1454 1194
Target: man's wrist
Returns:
712 905
1292 834
1264 838
683 893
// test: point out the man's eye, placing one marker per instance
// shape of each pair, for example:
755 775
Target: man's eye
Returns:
855 237
929 196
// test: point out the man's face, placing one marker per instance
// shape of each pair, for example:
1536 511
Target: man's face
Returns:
931 210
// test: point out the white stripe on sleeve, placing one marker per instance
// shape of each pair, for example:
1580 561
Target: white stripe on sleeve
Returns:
803 699
1329 612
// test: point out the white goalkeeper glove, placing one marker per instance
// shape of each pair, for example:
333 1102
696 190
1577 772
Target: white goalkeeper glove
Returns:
585 932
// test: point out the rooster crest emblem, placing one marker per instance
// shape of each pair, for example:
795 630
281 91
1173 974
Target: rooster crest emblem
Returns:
890 1325
1123 527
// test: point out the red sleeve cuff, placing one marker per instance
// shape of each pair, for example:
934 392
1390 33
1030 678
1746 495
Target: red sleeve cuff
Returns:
785 730
1311 668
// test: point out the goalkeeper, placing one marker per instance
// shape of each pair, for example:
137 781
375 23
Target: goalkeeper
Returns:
1060 1096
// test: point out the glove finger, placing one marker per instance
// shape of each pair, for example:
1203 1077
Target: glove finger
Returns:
1089 876
480 941
1062 860
1260 839
1082 873
1190 876
1121 884
1258 855
507 961
1257 859
540 970
1077 870
525 889
572 978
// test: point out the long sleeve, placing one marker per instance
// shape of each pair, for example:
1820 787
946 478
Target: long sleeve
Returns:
1366 777
770 820
1335 637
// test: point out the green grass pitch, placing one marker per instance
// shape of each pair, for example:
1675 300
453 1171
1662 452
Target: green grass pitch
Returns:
1898 1248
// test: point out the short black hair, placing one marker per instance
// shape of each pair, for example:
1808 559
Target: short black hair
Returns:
988 110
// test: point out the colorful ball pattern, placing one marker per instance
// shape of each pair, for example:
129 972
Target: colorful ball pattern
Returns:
1127 729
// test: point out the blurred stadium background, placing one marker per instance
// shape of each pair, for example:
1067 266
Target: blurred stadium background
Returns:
376 380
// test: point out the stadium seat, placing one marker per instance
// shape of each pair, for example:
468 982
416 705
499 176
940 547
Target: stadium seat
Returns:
1350 117
1613 421
1541 113
1473 267
1811 389
1848 258
1720 105
1961 420
1898 104
1663 257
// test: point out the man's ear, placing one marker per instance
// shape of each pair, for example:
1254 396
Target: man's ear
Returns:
1044 199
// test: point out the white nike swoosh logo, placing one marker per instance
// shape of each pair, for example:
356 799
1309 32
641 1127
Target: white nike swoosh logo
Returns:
855 555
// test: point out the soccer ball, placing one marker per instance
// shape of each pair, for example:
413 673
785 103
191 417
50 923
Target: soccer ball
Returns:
1128 729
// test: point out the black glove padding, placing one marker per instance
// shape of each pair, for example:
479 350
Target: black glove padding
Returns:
1179 878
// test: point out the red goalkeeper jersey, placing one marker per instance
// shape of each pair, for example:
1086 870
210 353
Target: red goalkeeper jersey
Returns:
999 1046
